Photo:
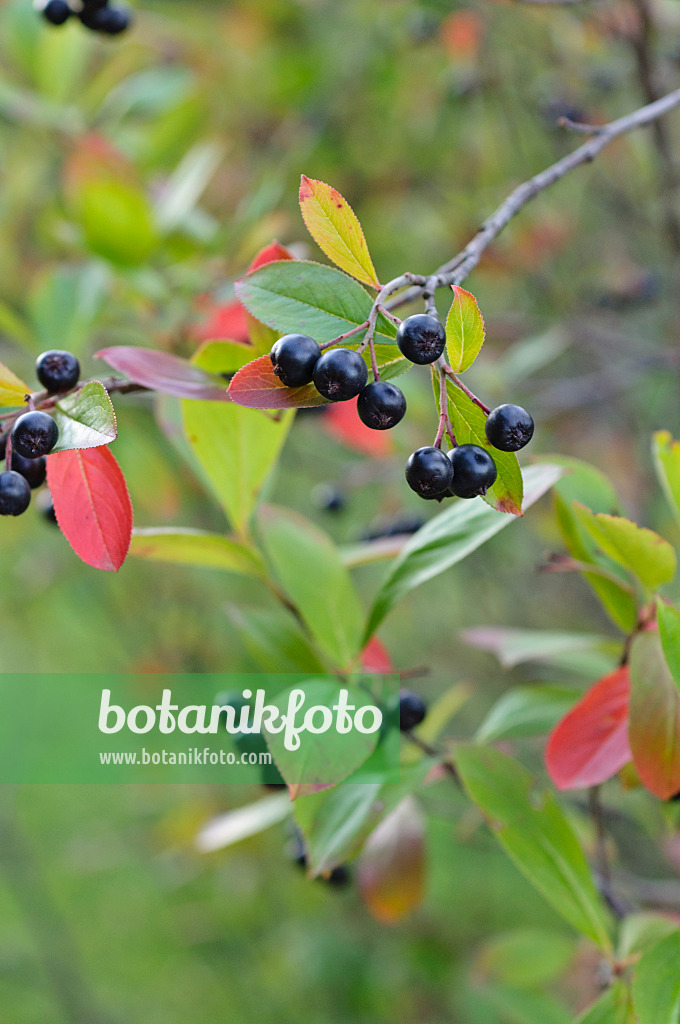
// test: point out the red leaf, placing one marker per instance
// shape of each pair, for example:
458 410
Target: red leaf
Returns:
375 657
257 387
270 254
92 505
162 371
223 320
590 744
342 421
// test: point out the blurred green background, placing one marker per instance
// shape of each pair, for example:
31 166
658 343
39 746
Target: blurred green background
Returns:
139 174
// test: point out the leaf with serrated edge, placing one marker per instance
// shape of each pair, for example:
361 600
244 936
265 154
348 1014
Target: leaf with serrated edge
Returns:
643 552
86 419
335 228
13 391
464 330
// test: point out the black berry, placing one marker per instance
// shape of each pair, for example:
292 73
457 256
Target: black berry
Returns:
32 470
412 710
421 338
46 507
339 877
110 20
293 359
474 471
15 494
3 445
34 434
509 428
429 472
381 405
328 498
340 374
55 11
57 371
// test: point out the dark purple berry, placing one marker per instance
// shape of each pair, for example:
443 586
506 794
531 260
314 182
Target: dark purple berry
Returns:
339 878
57 371
34 434
3 445
429 472
55 11
33 470
15 494
381 405
340 374
474 471
110 20
412 710
421 338
293 359
509 428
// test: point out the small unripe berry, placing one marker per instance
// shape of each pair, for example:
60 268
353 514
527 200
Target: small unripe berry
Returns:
421 338
54 11
293 359
429 472
340 374
34 434
412 710
381 405
33 470
15 494
57 371
509 428
474 471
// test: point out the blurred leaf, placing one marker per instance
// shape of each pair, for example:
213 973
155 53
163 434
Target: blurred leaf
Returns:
668 619
442 710
275 640
656 985
302 557
527 1007
15 327
666 454
117 220
446 540
391 869
244 822
13 391
525 711
464 330
654 717
162 371
590 744
86 418
643 552
64 304
517 646
196 547
641 930
182 191
614 1007
525 958
334 226
537 836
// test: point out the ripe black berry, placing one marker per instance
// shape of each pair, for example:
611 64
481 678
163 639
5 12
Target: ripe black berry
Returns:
57 371
429 472
421 338
55 11
34 434
293 359
15 494
32 470
381 405
509 428
340 374
110 20
339 877
412 710
328 498
474 471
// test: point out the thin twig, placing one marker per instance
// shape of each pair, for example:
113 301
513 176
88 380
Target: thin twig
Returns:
471 395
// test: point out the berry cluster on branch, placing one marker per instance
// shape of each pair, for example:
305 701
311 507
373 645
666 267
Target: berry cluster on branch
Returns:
97 15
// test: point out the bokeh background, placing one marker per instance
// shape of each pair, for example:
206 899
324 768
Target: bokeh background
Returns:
424 115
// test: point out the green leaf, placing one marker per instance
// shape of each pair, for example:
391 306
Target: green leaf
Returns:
86 418
526 711
468 425
334 226
117 220
275 640
308 566
656 985
13 391
464 330
643 552
535 833
196 547
242 823
446 540
301 297
526 1007
526 957
639 931
515 647
666 454
668 619
614 1007
654 728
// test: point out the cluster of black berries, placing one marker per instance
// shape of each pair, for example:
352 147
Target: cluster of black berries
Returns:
338 375
33 435
97 15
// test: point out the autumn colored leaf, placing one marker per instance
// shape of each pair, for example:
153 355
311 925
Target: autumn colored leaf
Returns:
270 254
590 744
221 320
334 226
654 729
162 371
375 657
92 505
464 330
343 423
391 870
13 391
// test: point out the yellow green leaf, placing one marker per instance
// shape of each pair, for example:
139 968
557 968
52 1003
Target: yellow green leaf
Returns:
13 391
464 330
639 550
334 226
666 453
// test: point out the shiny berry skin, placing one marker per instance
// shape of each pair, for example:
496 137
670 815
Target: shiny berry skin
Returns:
55 11
412 710
474 471
57 371
429 472
15 494
340 374
34 434
421 338
381 405
293 359
33 470
509 428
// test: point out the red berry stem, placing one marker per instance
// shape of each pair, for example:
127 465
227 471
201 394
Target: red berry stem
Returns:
458 382
341 337
444 419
